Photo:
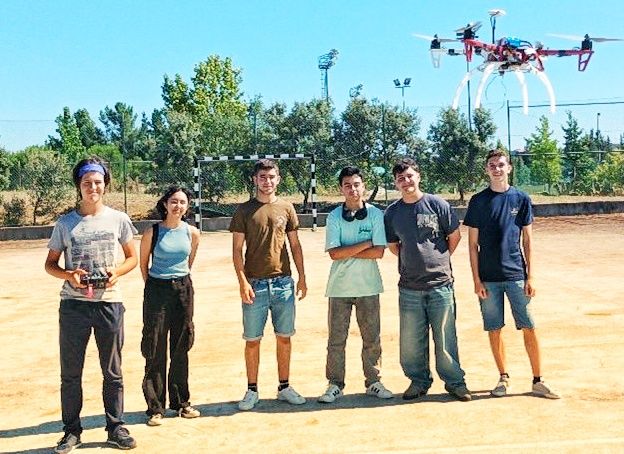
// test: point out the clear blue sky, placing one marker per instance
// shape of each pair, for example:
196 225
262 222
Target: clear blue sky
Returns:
90 54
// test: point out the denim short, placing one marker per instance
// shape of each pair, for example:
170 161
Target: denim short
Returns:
493 307
276 294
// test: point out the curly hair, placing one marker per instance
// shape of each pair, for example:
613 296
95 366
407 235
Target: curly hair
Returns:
160 205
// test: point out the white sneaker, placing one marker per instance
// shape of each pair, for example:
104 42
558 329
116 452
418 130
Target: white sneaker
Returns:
379 390
249 401
189 412
291 396
332 393
501 387
155 420
542 390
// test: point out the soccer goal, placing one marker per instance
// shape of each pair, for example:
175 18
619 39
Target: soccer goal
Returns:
212 160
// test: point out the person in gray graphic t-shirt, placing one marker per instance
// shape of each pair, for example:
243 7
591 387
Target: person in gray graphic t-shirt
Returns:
88 238
423 231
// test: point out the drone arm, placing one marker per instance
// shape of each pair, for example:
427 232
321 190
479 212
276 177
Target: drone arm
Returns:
539 64
584 55
468 51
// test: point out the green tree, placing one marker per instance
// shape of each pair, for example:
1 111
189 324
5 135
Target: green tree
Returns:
16 162
89 133
120 129
210 114
373 136
46 181
5 169
305 129
609 175
545 157
521 172
68 143
215 90
108 152
578 164
177 140
459 152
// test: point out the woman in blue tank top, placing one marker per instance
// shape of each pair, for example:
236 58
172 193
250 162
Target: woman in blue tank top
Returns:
168 306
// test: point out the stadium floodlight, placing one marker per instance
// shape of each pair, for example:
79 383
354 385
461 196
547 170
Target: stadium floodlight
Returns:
325 62
402 86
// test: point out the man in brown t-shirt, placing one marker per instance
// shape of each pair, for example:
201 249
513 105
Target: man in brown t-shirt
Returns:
263 224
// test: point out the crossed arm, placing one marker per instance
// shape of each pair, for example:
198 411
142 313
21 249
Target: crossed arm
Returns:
363 250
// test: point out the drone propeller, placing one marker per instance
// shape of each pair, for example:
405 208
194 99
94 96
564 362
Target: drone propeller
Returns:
581 38
431 38
473 26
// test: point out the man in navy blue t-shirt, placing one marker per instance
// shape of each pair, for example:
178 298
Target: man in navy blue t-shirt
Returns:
499 220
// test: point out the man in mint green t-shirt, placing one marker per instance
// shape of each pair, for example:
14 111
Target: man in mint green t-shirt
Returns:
355 238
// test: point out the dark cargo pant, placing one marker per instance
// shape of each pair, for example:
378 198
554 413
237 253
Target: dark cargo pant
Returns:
167 310
339 317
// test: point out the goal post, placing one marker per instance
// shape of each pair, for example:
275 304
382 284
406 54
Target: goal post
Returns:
206 160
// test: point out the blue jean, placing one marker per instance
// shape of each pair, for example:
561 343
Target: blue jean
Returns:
276 294
76 321
419 310
493 307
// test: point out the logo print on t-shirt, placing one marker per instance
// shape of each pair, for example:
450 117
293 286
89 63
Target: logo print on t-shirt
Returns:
428 220
280 222
513 211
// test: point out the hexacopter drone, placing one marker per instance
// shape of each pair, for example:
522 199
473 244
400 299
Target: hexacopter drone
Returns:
508 55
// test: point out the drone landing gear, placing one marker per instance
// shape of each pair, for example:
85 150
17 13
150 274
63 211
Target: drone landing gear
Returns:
584 60
488 70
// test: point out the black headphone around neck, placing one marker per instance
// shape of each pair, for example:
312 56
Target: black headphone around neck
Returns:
349 215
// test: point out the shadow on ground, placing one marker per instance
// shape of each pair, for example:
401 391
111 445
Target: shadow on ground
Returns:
220 409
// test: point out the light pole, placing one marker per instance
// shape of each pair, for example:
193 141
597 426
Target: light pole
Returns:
403 86
325 62
598 138
385 154
253 116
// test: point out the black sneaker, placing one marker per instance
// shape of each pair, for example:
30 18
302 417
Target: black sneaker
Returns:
67 443
413 392
461 393
121 438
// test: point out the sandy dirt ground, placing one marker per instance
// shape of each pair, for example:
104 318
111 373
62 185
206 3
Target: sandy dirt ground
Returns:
579 310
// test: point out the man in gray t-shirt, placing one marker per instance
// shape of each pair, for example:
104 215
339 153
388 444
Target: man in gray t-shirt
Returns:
423 231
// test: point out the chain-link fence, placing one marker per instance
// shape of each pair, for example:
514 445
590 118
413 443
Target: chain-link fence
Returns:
37 192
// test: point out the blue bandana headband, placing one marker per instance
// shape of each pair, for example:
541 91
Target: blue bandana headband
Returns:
91 168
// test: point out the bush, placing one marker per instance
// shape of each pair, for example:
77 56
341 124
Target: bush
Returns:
14 212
